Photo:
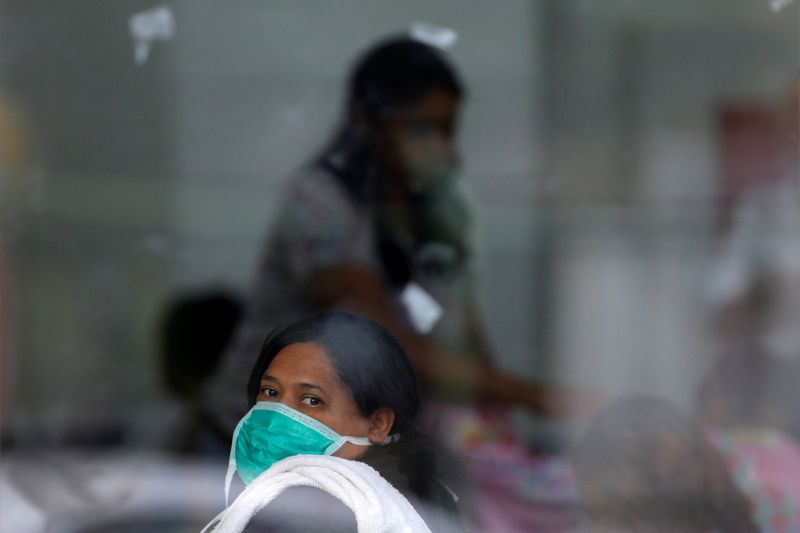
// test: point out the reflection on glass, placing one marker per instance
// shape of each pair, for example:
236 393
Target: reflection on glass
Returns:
624 220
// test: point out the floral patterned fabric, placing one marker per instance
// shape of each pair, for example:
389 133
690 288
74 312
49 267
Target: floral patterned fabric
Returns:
765 464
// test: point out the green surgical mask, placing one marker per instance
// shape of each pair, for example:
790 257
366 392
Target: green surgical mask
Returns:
272 431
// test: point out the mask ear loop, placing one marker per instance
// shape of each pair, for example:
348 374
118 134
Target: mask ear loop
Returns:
228 480
361 441
232 459
215 522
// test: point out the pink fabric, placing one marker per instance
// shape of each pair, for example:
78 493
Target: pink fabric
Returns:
514 489
766 465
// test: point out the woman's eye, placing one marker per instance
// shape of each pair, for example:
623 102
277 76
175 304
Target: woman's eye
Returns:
269 392
310 400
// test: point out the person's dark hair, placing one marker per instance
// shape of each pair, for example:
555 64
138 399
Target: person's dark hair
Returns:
645 466
375 369
394 74
368 360
195 330
389 78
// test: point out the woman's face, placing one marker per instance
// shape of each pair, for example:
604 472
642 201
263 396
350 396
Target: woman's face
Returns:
420 140
301 376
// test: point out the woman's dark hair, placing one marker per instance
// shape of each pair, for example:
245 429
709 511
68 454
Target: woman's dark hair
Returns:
375 369
643 465
368 360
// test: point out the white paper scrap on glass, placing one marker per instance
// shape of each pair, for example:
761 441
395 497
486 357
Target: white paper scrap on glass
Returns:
437 36
777 5
146 27
423 311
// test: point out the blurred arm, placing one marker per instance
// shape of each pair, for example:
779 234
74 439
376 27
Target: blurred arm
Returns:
360 290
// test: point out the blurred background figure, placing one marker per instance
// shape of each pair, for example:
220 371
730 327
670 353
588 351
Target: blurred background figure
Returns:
377 225
746 403
644 466
196 329
755 277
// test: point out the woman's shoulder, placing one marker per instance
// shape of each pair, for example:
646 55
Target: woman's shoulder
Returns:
314 193
304 508
317 184
323 493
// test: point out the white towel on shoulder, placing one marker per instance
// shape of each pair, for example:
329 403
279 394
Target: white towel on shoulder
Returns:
377 505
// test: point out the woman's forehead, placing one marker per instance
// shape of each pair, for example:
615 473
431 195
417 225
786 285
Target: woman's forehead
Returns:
305 360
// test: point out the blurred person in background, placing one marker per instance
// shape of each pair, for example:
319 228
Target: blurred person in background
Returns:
376 225
743 404
754 285
754 282
195 331
644 466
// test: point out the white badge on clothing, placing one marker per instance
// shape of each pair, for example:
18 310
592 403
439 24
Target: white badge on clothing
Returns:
423 311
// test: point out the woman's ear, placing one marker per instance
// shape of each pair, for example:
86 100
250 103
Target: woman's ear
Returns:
380 423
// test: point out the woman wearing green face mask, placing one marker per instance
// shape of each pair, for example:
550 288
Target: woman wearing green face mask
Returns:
336 386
